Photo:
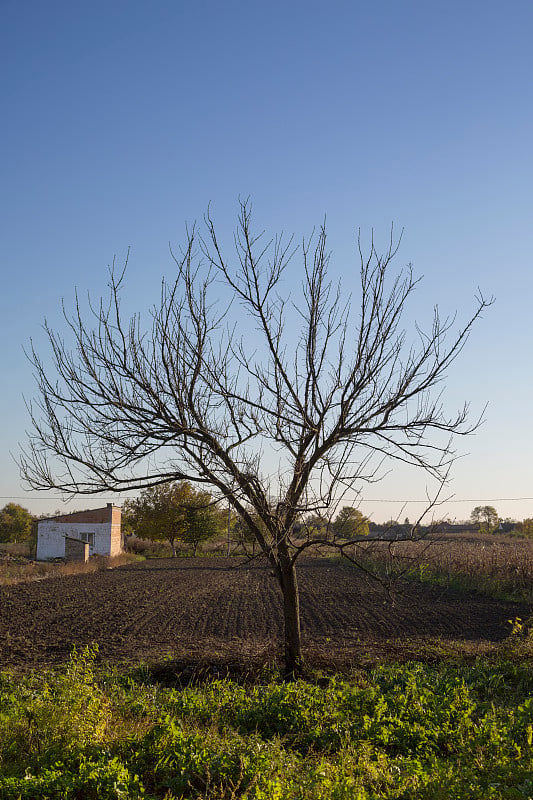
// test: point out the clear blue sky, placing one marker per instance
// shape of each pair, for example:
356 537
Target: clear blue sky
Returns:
123 120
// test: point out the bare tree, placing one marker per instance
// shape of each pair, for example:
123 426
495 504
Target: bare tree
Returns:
227 394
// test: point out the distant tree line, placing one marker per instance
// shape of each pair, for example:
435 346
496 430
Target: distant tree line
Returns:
176 512
487 520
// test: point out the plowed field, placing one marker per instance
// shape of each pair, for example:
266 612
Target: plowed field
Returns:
217 611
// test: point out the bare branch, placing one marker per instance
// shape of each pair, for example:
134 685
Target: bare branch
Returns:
229 395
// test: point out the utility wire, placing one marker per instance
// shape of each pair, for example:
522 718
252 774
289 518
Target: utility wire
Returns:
366 500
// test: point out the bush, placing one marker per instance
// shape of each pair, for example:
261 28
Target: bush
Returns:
411 731
147 548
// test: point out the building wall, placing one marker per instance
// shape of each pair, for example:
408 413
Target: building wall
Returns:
101 527
75 550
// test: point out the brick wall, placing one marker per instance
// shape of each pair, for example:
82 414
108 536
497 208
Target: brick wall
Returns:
115 545
96 515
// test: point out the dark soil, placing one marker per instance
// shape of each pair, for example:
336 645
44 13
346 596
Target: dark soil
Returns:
214 611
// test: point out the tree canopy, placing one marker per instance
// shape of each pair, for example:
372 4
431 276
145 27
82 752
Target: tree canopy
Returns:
526 527
173 512
279 403
350 523
203 521
486 517
15 523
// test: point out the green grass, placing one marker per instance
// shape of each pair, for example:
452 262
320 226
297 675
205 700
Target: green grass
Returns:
412 731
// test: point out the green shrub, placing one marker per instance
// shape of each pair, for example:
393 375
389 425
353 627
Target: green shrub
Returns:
405 732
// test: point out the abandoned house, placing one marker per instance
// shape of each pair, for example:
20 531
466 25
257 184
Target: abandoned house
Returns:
80 535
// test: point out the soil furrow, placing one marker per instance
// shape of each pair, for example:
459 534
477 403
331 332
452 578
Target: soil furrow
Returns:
208 608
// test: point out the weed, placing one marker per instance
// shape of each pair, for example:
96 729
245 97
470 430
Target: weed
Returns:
398 731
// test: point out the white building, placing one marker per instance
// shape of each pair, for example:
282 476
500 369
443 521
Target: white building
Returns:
99 527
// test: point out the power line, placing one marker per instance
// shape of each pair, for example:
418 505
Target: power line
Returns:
40 497
467 500
364 500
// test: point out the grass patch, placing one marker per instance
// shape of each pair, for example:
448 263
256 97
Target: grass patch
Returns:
18 569
414 731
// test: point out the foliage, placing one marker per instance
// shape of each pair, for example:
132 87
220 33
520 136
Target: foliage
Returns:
145 548
524 528
174 512
411 731
15 523
203 521
159 513
244 533
350 523
486 517
316 526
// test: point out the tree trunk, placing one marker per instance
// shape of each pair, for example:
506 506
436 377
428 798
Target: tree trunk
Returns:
291 618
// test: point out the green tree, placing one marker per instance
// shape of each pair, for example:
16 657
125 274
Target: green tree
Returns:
525 528
231 375
203 521
316 526
15 523
173 512
486 517
244 535
350 523
160 513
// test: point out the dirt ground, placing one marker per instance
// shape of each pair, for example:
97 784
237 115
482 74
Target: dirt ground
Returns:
214 610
